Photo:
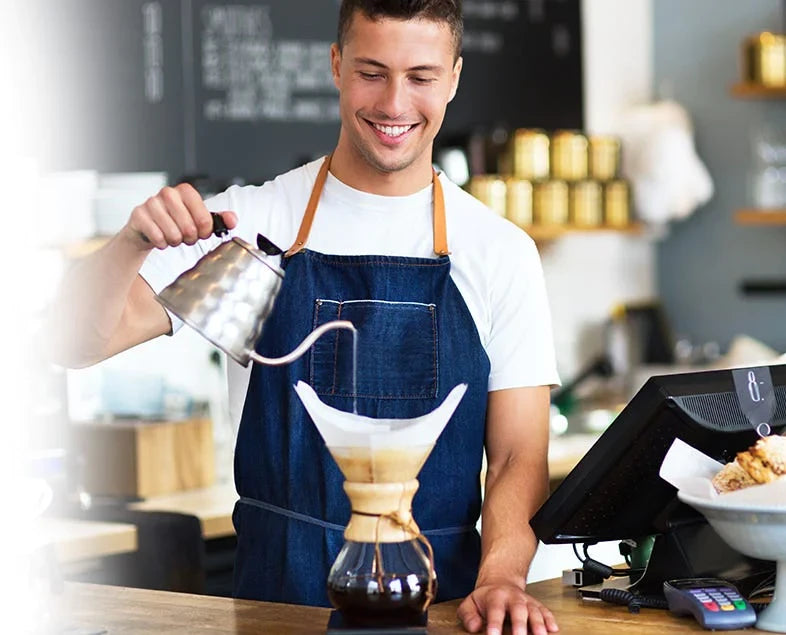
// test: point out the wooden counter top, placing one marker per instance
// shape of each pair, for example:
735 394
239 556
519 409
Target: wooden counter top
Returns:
124 610
83 539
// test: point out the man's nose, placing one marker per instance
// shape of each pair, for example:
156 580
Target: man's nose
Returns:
394 99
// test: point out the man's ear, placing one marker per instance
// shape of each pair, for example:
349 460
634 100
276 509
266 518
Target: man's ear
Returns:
455 79
335 63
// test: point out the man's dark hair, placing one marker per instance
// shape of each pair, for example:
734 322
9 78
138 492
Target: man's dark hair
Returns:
447 11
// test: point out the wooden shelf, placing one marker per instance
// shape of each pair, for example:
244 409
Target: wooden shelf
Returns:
543 233
755 91
760 217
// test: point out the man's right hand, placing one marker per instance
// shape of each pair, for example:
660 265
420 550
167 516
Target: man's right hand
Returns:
174 216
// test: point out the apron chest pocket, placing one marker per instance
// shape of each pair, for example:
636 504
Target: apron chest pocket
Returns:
396 351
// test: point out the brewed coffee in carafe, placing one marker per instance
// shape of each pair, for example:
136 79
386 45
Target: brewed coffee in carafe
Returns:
384 573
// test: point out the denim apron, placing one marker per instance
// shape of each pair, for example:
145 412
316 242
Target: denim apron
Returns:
416 341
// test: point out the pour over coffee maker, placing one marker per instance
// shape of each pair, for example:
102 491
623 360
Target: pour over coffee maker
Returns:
384 574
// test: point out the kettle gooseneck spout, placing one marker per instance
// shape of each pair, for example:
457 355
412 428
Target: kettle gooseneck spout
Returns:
304 345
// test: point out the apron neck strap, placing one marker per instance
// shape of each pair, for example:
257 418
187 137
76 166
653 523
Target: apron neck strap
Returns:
440 228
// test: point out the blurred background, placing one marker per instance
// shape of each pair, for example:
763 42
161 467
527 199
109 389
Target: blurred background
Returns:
641 143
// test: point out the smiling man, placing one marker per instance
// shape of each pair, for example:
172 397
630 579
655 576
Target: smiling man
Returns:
380 238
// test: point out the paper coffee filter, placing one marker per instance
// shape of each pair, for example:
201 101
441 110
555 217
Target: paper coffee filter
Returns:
378 450
346 429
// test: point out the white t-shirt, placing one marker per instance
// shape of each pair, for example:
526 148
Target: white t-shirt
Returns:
494 264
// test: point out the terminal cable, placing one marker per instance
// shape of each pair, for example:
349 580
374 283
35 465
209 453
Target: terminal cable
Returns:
598 569
634 602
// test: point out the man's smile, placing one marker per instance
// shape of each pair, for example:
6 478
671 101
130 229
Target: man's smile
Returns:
388 133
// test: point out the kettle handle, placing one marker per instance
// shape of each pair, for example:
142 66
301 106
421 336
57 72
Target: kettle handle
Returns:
304 345
219 226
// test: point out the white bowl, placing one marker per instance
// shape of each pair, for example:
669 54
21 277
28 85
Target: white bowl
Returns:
758 531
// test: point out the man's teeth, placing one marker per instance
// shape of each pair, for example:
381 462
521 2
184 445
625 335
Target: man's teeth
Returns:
392 131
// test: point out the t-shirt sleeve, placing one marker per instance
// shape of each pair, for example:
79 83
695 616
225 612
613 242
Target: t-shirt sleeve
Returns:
521 343
162 266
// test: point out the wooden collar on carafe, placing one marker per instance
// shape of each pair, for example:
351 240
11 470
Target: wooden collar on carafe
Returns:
440 232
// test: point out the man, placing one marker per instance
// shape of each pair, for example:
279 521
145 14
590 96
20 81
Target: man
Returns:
477 316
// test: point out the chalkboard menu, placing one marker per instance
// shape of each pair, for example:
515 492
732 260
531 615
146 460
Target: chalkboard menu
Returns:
243 89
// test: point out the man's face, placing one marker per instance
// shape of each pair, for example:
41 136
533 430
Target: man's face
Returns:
395 79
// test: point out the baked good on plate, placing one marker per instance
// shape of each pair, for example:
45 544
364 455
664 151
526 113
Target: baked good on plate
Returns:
763 462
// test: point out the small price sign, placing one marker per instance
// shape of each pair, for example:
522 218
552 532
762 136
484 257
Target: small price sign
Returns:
756 395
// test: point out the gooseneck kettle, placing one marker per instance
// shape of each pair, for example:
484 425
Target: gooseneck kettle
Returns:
228 294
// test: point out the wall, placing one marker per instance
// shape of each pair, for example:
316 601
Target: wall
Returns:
587 274
697 48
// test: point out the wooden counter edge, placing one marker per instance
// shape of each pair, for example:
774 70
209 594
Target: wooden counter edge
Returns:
122 609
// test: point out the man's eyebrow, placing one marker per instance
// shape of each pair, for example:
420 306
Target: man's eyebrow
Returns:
434 68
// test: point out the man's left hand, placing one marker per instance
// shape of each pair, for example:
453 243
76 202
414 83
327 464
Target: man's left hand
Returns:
492 602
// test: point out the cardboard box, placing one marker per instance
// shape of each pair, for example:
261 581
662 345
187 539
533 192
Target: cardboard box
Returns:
145 458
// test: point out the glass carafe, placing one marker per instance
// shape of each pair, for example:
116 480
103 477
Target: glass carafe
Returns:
398 593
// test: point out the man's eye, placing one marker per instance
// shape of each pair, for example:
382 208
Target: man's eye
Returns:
423 80
370 75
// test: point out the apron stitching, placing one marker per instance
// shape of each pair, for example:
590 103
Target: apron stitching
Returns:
335 353
314 325
436 356
420 396
388 264
372 301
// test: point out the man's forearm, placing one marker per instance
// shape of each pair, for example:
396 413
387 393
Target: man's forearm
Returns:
514 491
92 299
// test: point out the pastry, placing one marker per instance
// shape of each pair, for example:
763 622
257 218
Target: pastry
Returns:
732 477
763 462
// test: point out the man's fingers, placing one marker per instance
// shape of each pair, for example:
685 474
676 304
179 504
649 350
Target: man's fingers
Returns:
549 620
178 211
193 202
496 607
165 222
536 623
519 612
145 229
493 603
468 615
230 219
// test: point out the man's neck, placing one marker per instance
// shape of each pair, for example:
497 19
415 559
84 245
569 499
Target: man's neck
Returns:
354 171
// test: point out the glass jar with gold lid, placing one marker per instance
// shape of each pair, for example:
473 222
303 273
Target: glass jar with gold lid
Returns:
616 203
569 156
519 202
764 59
604 157
550 203
530 154
491 190
585 200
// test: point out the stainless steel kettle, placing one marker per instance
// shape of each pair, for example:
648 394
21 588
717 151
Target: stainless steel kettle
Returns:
228 294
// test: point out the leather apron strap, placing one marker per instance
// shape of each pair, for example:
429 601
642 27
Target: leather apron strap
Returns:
440 227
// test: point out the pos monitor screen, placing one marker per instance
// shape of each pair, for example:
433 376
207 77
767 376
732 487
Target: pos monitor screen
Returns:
615 492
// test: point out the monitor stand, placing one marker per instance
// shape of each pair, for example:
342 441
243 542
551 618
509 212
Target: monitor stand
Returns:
692 549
